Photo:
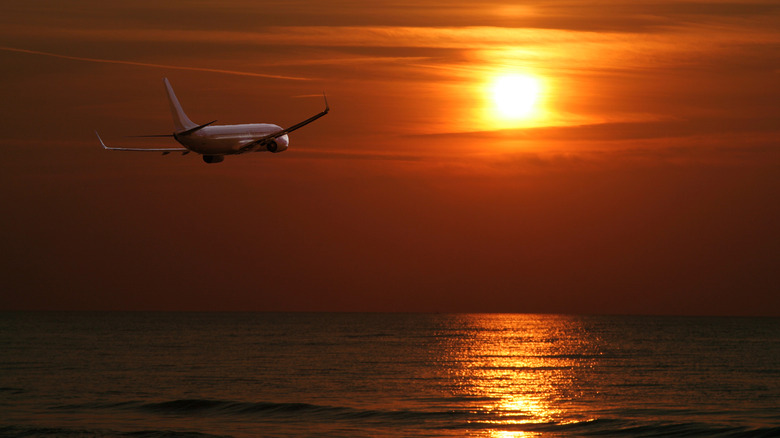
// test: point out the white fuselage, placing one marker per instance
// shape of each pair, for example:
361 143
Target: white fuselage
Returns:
231 139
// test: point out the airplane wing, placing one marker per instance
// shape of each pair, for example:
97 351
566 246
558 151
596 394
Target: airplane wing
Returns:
292 128
163 150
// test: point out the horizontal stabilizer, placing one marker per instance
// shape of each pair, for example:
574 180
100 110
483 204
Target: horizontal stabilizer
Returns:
191 130
149 136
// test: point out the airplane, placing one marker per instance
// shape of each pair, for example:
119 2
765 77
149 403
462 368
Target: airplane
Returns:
213 142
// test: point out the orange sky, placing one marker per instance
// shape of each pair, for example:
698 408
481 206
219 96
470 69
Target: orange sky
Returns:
645 180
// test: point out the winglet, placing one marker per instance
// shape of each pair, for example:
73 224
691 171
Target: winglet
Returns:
327 107
101 140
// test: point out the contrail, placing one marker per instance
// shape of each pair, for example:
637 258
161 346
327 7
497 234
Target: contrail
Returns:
146 64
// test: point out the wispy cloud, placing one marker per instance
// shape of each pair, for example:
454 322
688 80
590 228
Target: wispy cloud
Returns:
654 129
332 154
554 48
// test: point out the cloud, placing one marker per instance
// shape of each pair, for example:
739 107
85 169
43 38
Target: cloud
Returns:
352 155
466 47
473 36
657 129
241 15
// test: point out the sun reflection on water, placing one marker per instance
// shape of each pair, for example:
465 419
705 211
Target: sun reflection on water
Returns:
519 369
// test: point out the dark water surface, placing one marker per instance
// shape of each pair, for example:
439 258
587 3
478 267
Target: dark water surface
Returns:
393 375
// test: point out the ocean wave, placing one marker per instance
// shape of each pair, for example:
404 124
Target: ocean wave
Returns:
593 427
20 431
629 428
268 410
11 390
368 335
271 410
619 424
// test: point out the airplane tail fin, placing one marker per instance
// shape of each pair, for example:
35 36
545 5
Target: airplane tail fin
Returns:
180 120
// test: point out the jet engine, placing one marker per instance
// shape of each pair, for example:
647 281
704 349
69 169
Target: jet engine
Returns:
213 158
273 146
278 144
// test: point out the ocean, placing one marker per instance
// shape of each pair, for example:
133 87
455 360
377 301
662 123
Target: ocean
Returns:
117 374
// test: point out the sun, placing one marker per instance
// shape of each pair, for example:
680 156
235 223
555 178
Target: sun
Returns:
515 96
